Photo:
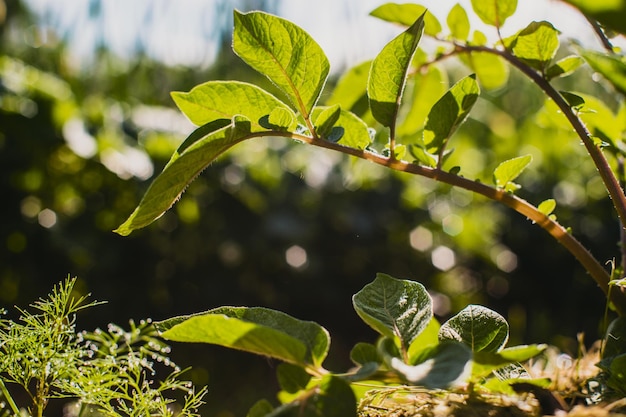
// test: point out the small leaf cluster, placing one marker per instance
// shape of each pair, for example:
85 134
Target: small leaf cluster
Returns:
110 372
413 348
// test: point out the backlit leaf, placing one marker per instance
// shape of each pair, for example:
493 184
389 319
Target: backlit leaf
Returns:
574 100
252 329
564 67
406 14
536 44
608 12
427 338
486 362
388 73
216 100
491 70
478 327
353 131
326 119
284 53
494 12
547 206
509 170
398 309
612 67
458 22
449 113
351 89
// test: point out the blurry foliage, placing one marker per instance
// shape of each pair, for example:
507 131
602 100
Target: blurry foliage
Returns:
76 149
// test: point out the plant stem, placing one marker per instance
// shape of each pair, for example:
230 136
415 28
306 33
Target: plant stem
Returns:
580 252
8 398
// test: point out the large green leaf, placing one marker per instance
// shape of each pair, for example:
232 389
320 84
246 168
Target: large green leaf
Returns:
216 100
449 112
491 70
284 53
611 13
478 327
405 14
536 44
438 367
351 89
252 329
494 12
398 309
388 73
194 155
612 67
348 129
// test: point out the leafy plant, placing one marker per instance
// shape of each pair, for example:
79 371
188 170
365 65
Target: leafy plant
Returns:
415 140
110 372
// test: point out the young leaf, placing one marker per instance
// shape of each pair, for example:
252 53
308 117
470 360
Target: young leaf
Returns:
279 119
441 366
326 119
478 327
509 170
388 73
406 14
255 329
547 206
353 131
448 113
458 22
395 308
215 100
564 67
536 44
612 67
285 54
494 12
427 338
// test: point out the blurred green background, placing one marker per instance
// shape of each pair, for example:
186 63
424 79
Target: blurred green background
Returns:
273 223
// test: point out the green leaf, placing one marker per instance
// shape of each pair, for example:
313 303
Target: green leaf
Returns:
427 338
449 113
333 397
406 14
536 44
491 70
292 378
608 12
285 54
395 308
564 67
615 368
509 170
280 119
494 12
441 366
547 206
612 67
615 339
326 119
458 22
478 327
260 409
363 353
485 362
351 89
388 74
256 330
422 156
427 87
352 131
193 156
215 100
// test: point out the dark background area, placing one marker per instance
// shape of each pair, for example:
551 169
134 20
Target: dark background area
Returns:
225 242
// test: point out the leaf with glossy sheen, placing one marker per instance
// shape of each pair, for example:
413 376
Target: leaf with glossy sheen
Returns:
252 329
564 67
509 170
398 309
478 327
458 22
285 54
611 13
536 44
486 362
449 113
405 14
193 156
494 12
441 366
613 68
388 73
354 132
